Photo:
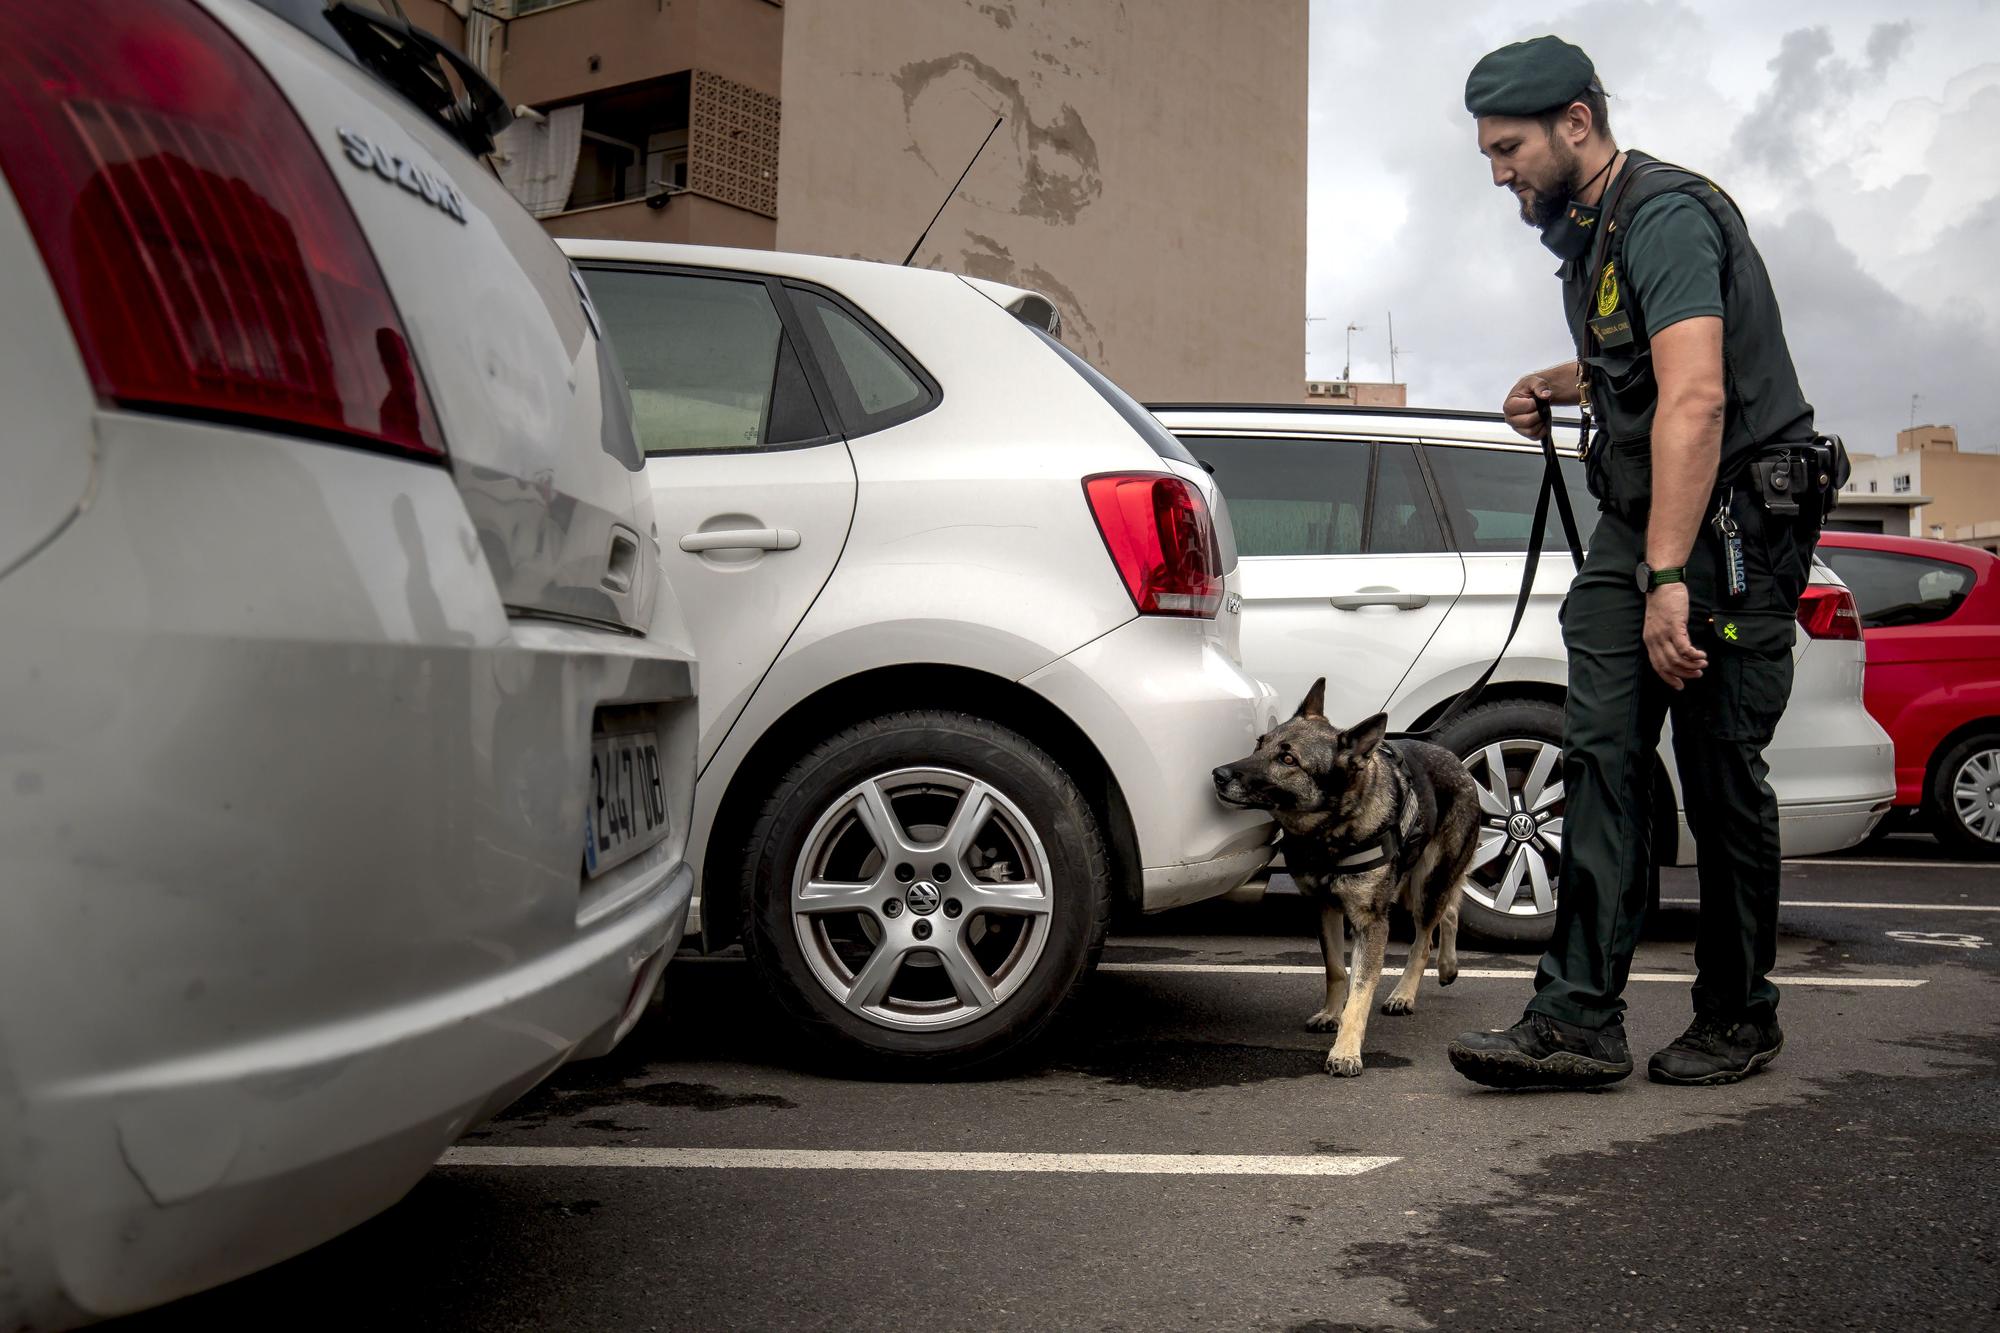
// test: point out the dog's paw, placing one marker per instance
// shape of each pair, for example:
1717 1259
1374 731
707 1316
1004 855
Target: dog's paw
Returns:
1326 1020
1343 1066
1396 1004
1447 975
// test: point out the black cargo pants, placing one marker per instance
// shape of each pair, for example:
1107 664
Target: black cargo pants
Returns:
1722 722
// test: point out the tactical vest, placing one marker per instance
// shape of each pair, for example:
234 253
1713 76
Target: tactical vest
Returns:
1765 404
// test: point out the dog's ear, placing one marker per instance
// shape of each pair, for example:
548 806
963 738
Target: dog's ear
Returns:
1361 739
1314 704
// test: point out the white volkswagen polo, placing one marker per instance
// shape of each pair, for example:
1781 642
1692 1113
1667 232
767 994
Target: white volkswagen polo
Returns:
346 728
968 630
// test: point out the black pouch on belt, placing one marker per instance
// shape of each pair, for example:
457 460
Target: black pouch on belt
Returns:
1782 479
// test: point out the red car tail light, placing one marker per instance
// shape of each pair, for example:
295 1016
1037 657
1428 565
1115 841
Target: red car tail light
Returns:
1160 536
203 252
1829 613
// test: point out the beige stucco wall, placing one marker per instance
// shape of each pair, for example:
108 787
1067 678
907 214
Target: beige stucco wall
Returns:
1150 176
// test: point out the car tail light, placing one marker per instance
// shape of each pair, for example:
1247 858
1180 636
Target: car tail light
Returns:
203 252
1829 613
1158 531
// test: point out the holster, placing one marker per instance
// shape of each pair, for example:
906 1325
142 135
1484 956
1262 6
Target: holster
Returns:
1790 479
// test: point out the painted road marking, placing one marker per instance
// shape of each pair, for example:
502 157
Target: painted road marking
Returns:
1941 940
1899 865
1482 973
817 1159
1862 907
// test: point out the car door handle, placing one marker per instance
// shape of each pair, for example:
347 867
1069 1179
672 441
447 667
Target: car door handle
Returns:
1402 601
741 539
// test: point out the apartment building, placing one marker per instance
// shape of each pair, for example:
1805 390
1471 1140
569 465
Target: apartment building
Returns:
1932 485
1147 172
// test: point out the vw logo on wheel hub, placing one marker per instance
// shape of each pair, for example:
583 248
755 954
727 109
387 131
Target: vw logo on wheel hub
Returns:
922 897
1519 827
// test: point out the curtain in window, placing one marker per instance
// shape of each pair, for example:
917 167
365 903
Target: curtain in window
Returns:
537 159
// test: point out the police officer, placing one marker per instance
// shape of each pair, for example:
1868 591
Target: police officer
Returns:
1687 597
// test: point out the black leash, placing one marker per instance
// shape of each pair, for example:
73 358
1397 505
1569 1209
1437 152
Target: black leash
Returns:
1552 485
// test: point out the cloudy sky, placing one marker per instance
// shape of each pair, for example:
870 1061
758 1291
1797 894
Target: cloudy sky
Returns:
1862 140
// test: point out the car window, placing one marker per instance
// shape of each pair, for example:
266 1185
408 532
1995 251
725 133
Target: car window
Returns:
1402 521
873 386
1894 589
1290 497
1489 497
708 362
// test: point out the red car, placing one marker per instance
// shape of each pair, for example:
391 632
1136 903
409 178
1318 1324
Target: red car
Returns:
1930 613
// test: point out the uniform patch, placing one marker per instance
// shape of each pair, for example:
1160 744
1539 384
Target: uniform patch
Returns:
1729 631
1612 331
1607 291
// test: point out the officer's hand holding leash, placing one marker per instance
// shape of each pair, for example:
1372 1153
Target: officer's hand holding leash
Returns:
1527 404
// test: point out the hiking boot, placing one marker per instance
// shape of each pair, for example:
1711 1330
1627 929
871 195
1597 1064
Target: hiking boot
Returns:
1715 1050
1543 1052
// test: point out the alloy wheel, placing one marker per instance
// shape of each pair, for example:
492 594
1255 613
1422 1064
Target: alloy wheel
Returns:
922 898
1514 868
1975 794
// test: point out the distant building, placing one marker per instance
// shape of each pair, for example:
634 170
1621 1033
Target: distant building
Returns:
1356 393
1148 174
1927 488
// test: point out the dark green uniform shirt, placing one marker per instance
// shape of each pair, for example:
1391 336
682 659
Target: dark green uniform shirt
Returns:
1673 261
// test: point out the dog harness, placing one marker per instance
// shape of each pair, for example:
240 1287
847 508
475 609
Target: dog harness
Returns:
1388 846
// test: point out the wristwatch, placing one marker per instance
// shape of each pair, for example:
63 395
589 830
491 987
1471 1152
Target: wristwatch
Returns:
1650 578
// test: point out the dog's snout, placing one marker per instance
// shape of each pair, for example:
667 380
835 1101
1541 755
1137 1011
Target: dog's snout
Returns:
1224 776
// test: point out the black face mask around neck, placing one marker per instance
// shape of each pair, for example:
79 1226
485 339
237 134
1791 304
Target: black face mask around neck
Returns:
1569 234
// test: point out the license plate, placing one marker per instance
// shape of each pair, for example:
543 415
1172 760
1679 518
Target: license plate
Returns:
627 804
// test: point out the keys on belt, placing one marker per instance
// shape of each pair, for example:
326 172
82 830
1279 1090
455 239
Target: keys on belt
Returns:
1736 580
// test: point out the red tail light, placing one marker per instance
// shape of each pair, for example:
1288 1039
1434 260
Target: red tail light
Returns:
1158 531
1829 613
204 254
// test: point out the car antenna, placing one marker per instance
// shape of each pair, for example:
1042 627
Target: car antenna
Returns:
954 190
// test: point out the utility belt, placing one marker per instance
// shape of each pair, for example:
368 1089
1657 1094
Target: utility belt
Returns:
1801 477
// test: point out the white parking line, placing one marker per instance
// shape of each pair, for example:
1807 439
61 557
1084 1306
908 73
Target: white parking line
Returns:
1485 973
1899 865
1862 907
817 1159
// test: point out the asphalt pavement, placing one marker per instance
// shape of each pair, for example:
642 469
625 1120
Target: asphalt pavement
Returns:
706 1175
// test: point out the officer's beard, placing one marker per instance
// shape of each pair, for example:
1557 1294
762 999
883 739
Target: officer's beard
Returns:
1545 204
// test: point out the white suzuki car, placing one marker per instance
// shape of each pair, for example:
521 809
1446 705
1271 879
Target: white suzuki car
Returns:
1383 550
346 726
968 634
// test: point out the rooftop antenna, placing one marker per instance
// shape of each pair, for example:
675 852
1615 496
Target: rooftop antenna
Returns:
1310 321
1394 351
1347 371
1913 411
954 190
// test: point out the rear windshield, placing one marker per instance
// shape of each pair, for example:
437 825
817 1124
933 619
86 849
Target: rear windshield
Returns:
1137 417
414 72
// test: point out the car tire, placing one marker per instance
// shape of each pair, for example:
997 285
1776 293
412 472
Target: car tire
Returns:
980 963
1959 805
1510 892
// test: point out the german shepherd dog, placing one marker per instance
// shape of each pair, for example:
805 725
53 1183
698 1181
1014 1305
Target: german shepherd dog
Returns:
1366 824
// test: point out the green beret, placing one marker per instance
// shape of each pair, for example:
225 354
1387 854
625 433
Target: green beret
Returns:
1527 78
